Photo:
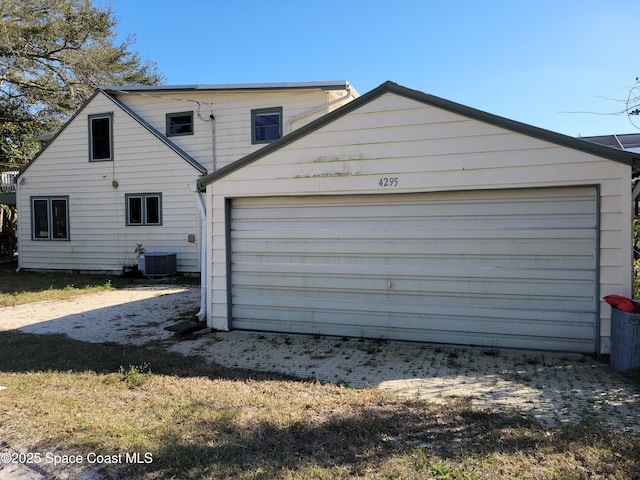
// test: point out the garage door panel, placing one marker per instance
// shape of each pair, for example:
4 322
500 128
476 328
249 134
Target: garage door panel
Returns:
345 240
441 207
438 312
424 327
527 265
415 304
450 227
443 246
385 272
510 268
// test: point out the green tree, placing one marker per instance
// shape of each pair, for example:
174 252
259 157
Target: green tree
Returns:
53 53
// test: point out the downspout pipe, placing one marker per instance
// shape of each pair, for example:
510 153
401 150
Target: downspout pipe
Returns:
202 313
18 225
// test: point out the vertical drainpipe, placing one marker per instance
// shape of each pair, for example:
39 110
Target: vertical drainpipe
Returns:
202 313
18 226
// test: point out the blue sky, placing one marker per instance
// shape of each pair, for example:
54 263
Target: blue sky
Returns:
539 62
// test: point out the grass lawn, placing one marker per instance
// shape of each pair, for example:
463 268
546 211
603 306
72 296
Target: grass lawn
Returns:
198 422
25 287
190 420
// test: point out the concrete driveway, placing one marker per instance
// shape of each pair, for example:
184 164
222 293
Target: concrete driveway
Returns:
555 388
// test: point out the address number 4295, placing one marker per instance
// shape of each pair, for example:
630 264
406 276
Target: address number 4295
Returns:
388 182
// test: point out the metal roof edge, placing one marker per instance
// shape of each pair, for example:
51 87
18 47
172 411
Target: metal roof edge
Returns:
326 85
614 154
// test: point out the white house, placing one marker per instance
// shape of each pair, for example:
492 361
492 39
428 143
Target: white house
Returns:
406 216
118 173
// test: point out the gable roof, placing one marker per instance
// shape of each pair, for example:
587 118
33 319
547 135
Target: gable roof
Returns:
158 135
51 137
627 158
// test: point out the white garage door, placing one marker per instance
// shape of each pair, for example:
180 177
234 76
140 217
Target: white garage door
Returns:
499 268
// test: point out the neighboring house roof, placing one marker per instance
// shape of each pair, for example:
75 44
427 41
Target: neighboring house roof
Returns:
625 141
603 151
326 85
133 115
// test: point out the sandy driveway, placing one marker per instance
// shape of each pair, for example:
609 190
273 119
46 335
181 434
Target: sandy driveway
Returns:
135 315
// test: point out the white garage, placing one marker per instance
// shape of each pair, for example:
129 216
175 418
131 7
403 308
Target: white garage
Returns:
514 268
404 216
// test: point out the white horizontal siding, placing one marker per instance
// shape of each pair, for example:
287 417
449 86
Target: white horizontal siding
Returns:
232 112
440 151
99 237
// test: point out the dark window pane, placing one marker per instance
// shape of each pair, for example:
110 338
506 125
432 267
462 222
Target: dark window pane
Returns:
59 218
101 138
180 124
40 219
135 210
267 127
153 210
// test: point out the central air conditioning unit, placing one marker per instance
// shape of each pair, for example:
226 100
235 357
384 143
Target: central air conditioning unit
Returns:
157 264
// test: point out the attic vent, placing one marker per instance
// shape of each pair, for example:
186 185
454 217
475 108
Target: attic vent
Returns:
158 264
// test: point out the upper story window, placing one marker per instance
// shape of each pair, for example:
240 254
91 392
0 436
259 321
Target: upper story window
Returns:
266 125
50 218
180 123
101 137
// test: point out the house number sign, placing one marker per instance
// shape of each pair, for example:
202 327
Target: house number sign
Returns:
388 182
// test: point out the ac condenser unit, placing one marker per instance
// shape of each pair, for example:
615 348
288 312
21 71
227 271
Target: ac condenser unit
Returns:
157 264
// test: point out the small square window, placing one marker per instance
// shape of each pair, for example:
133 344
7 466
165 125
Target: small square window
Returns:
266 125
179 124
144 208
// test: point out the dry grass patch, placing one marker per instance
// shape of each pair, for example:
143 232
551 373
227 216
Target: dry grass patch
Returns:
17 288
209 422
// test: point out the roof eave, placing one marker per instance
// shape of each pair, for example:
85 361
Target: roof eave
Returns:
628 158
323 85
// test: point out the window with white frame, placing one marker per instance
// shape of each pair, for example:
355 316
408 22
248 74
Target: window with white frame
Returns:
50 218
266 125
144 208
101 137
